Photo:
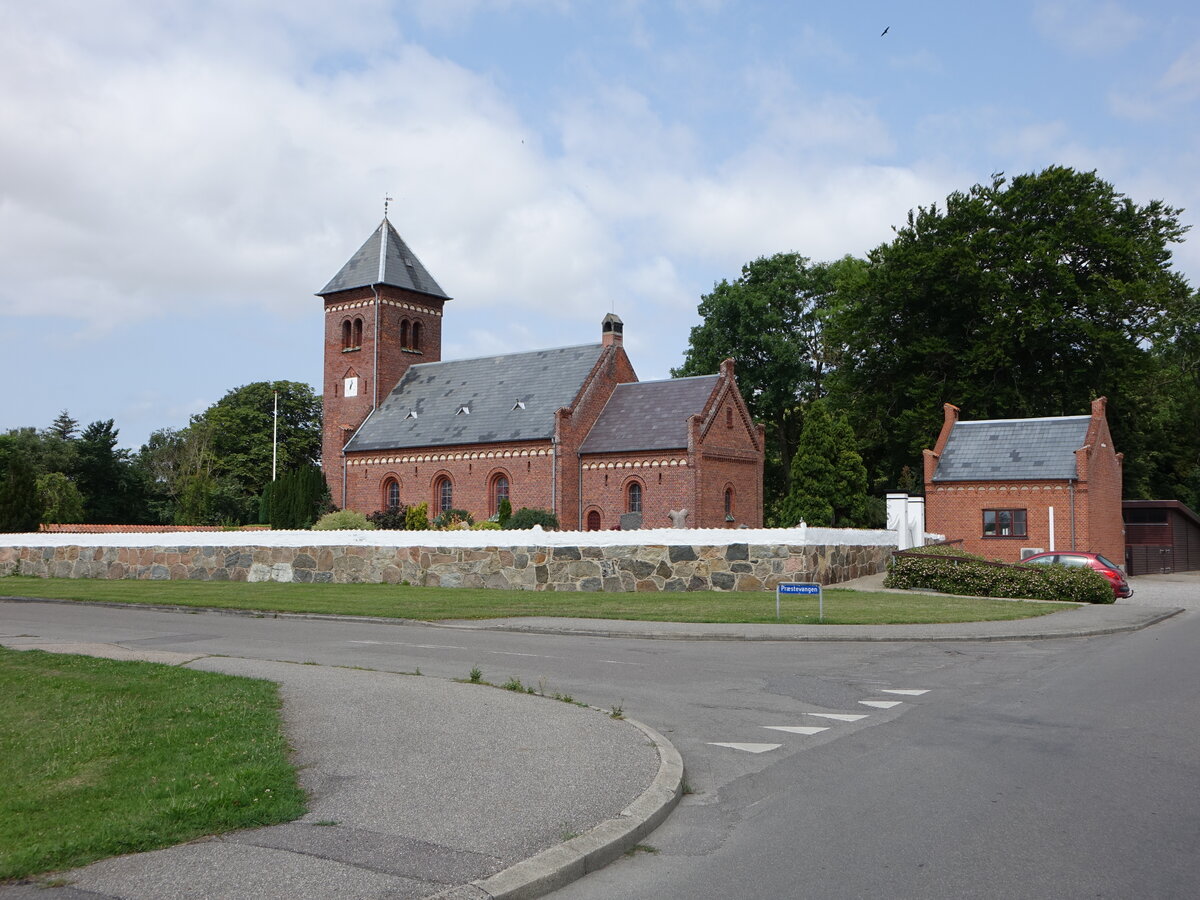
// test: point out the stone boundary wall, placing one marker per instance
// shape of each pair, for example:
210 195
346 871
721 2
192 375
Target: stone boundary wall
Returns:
742 567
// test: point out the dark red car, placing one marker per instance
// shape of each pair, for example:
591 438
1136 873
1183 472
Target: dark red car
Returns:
1100 563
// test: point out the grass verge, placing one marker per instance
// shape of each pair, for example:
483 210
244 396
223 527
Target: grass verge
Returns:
99 758
842 607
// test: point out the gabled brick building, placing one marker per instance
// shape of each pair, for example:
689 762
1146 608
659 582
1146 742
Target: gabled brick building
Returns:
1007 485
570 429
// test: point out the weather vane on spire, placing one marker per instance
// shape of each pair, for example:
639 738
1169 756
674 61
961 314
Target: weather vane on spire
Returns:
386 201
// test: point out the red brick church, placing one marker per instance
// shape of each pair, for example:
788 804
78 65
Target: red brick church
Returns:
571 429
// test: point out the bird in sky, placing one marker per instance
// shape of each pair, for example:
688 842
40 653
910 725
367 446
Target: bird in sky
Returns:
885 30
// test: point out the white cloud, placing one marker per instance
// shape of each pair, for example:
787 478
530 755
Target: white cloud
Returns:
1086 27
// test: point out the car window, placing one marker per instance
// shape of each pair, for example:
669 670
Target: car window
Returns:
1106 561
1068 560
1039 560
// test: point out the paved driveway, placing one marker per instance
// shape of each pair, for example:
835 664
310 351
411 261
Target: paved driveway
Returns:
1178 589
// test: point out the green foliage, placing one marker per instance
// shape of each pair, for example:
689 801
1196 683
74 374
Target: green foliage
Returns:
1021 298
971 576
295 500
60 500
20 508
486 525
390 519
504 513
770 322
343 520
453 518
64 427
416 518
114 489
829 481
525 518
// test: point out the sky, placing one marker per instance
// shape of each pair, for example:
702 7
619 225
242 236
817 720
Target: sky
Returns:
178 178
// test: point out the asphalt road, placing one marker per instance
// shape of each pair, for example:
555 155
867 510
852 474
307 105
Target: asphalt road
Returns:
1059 768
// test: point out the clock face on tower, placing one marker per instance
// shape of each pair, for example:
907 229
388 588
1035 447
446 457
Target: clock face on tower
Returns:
352 386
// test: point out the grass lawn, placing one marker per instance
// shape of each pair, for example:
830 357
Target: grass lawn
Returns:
842 607
99 758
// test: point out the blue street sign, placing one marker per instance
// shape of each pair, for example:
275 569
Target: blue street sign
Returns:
795 587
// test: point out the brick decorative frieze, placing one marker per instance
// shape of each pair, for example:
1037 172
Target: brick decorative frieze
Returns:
399 304
649 568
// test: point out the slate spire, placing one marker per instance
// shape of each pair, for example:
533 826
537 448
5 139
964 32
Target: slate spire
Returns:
384 258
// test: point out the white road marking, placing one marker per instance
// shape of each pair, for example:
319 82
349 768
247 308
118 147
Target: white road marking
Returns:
748 748
407 644
797 729
513 653
881 704
907 692
840 717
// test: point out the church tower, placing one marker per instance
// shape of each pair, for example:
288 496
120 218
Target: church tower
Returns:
383 313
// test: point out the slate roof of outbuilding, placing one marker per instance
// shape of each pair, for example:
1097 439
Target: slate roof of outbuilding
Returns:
1013 449
649 415
489 387
401 267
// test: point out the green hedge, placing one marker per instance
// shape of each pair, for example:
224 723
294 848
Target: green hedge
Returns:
976 578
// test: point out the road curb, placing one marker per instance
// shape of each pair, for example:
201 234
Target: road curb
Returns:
818 633
560 865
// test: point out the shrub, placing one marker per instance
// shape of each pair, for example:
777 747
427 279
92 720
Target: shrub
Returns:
504 513
416 518
295 500
974 577
343 520
395 519
486 526
525 518
453 518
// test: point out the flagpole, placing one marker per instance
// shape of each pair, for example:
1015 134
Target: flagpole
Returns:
275 438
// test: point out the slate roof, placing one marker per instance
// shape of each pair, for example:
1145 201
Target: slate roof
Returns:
1013 449
543 380
649 415
401 267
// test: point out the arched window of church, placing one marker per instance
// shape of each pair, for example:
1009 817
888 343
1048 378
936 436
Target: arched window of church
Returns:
729 417
593 520
728 503
635 497
358 332
347 338
416 336
391 494
443 492
404 334
499 491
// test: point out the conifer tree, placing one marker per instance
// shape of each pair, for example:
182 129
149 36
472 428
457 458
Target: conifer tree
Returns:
829 480
20 509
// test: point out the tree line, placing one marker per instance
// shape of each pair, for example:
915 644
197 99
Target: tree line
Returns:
215 471
1023 297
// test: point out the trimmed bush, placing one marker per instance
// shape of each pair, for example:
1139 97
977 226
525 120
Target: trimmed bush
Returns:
504 513
525 518
343 520
969 575
417 518
486 526
390 519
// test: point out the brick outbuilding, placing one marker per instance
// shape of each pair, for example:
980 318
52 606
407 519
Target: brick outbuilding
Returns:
569 429
1008 487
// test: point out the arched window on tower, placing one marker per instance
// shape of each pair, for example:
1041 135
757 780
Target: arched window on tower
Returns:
729 417
416 336
634 497
358 332
729 504
404 334
347 337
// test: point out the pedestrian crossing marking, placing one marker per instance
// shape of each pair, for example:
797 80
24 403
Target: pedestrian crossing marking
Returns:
797 729
748 748
841 717
907 692
881 704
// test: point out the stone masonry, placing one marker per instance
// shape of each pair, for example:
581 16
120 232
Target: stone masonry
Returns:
651 568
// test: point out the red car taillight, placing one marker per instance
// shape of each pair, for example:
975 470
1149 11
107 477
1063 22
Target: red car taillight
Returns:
1110 574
